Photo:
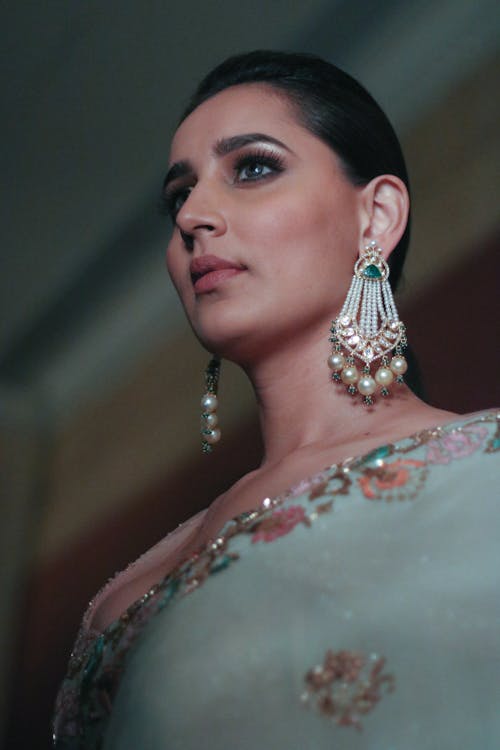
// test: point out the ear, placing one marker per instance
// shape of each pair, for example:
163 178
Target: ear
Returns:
385 208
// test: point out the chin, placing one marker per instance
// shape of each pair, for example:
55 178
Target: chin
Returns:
227 342
231 334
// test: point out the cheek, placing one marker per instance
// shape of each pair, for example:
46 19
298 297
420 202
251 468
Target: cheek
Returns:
302 225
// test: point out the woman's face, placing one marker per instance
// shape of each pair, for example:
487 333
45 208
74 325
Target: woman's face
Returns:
267 227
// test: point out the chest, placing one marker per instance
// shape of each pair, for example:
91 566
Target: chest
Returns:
247 494
131 584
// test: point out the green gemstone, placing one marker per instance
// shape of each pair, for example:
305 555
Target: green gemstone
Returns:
377 454
92 665
372 272
168 593
220 564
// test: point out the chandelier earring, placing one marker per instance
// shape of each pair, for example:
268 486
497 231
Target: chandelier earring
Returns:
210 432
368 329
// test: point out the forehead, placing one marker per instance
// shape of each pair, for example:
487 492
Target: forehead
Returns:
238 109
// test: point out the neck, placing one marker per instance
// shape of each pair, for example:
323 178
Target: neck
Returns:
300 408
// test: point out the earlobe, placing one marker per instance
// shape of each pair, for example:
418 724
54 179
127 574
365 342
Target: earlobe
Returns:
386 207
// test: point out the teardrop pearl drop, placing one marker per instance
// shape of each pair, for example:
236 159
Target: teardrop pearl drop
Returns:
349 375
366 385
213 436
336 361
384 376
399 365
209 402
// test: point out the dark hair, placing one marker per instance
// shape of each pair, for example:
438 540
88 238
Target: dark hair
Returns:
330 104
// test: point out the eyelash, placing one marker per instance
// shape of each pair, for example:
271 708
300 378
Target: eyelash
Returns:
265 158
271 159
167 205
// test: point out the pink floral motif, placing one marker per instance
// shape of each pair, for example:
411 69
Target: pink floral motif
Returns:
281 522
457 444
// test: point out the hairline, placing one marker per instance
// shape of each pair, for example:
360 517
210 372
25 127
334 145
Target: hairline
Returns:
291 97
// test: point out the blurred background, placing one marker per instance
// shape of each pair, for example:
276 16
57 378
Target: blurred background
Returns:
100 378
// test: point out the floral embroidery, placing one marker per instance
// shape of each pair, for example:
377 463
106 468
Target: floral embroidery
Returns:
346 686
281 522
338 483
458 444
387 480
318 489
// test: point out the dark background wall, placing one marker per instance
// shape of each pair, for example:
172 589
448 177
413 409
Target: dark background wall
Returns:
99 375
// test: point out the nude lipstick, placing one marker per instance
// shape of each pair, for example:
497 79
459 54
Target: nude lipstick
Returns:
208 271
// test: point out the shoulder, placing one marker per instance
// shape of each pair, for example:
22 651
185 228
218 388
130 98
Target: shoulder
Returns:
457 459
473 436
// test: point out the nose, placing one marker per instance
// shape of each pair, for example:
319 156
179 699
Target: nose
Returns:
200 215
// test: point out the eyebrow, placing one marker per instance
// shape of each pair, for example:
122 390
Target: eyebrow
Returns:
223 147
226 145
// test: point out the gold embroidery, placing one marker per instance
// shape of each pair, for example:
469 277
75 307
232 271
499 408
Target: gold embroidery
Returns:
494 443
337 483
347 686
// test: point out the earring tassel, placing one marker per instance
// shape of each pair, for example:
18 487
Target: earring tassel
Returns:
368 328
210 432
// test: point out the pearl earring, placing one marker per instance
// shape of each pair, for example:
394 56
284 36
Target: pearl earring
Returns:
368 328
209 431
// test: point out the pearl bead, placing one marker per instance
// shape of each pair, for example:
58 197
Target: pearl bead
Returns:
384 376
209 421
349 375
366 385
336 361
209 402
399 365
213 436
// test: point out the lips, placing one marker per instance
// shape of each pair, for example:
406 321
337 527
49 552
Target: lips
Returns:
208 271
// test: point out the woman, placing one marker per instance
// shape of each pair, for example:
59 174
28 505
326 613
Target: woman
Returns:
315 611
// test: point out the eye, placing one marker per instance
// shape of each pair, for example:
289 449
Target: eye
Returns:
257 166
253 170
172 202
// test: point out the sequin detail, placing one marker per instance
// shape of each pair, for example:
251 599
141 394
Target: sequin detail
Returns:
459 444
347 686
493 444
388 473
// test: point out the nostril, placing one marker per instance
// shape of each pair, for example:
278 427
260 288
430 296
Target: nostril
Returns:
188 240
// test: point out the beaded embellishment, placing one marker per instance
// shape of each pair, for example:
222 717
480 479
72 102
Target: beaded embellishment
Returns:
210 432
348 684
368 328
